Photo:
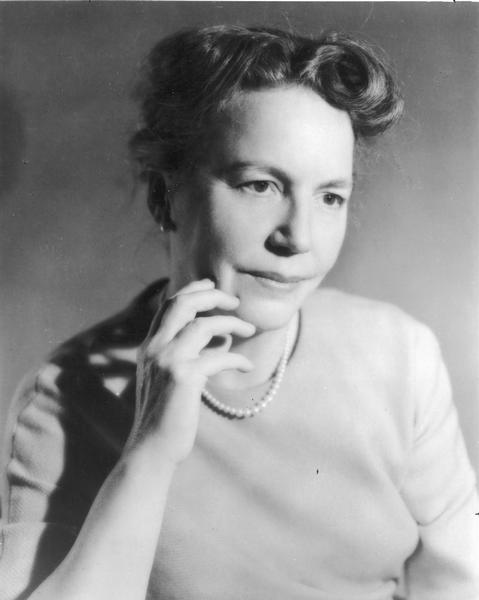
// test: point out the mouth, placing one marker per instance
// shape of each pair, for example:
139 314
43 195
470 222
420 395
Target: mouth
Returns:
276 280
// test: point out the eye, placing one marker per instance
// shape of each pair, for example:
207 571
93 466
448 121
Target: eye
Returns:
333 200
260 186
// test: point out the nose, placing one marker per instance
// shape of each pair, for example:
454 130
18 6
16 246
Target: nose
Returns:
293 235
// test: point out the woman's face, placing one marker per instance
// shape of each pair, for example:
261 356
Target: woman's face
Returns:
264 211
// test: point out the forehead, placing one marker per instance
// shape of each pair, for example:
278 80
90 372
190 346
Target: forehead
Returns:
290 128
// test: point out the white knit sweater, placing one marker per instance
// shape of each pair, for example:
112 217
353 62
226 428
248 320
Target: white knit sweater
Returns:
355 475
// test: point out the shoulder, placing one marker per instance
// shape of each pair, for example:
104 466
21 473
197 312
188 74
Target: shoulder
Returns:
392 360
84 390
117 336
360 317
336 304
373 336
102 357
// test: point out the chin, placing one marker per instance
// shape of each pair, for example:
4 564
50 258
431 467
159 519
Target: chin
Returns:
267 314
267 304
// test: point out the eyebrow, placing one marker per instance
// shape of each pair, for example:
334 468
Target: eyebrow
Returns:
280 174
338 183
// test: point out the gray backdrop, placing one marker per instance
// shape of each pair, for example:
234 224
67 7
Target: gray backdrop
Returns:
76 239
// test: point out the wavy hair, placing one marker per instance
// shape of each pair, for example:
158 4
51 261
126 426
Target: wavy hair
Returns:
190 77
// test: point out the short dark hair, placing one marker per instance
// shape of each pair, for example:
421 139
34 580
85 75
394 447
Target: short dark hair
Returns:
193 74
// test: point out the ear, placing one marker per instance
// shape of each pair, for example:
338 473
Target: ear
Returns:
171 182
159 200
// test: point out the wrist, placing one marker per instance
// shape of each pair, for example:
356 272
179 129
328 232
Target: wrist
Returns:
145 461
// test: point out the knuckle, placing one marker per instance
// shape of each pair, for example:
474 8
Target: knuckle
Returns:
183 304
150 353
199 323
198 326
154 358
179 300
163 359
190 313
180 372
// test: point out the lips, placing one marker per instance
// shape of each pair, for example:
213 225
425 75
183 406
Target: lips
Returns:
279 278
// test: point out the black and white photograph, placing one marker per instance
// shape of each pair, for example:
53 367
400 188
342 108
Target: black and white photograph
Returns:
239 314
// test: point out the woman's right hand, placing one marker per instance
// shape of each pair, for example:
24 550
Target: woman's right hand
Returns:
173 367
174 364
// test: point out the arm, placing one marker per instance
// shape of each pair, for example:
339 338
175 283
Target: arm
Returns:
114 551
113 554
440 489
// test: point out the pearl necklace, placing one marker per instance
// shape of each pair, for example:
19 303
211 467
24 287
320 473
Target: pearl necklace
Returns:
241 413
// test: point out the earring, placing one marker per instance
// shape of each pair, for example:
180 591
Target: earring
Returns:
167 222
159 203
157 214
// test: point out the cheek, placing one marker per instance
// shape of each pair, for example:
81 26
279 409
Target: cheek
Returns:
211 242
328 243
235 235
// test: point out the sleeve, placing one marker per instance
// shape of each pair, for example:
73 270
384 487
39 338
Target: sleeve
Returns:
57 459
37 531
440 488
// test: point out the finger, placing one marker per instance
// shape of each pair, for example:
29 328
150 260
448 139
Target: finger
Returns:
191 340
211 363
182 309
201 301
194 286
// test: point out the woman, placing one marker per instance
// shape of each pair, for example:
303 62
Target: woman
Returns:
236 432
